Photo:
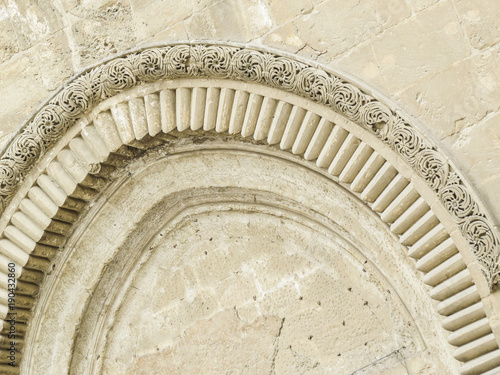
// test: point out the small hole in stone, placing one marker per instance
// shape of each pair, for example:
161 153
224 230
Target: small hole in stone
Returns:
366 303
343 323
310 337
349 289
301 298
206 253
319 303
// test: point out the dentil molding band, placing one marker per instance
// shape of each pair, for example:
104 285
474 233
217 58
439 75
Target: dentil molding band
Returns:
88 89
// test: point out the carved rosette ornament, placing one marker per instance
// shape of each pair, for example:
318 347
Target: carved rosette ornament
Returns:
243 64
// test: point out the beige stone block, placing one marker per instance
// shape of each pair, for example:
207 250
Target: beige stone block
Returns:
20 77
392 12
479 146
170 286
481 20
446 105
9 45
286 38
205 266
33 20
235 20
420 46
337 26
318 336
292 361
54 57
284 11
361 62
208 341
236 290
283 301
280 267
104 33
152 17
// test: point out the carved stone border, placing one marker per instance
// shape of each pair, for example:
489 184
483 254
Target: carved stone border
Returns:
88 89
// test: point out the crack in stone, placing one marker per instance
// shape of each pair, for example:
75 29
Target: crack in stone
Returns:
272 371
402 360
396 352
304 361
238 316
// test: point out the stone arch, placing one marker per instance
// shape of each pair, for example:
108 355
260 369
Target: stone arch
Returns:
61 158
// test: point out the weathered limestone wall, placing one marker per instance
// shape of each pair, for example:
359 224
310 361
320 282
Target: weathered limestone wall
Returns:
437 59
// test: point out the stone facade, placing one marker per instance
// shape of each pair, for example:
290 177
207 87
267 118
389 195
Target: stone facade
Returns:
271 289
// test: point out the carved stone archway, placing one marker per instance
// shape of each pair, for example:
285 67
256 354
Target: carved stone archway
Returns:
61 159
